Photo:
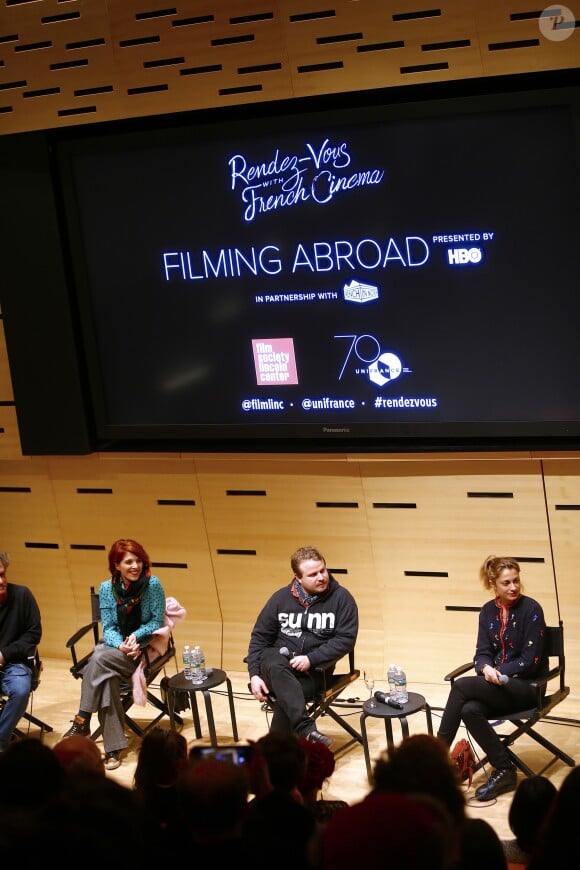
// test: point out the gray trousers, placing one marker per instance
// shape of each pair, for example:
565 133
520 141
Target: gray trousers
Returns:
103 674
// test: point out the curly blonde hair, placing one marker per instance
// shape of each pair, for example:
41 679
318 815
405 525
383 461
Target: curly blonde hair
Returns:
492 568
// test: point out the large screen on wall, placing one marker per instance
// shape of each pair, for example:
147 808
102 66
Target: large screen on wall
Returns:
381 270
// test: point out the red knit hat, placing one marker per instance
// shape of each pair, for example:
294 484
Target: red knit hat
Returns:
319 767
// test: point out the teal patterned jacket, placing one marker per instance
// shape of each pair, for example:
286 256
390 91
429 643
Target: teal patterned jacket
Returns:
152 612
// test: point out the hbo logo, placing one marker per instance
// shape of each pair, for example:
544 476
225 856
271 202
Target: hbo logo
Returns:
462 256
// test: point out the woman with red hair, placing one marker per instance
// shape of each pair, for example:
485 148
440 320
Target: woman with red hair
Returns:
132 605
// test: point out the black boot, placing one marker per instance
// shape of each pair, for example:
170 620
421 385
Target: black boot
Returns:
499 782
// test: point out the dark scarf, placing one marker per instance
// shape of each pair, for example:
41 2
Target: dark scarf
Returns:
129 602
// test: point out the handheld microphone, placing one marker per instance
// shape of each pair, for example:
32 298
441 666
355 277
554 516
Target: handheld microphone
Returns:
386 699
503 678
284 651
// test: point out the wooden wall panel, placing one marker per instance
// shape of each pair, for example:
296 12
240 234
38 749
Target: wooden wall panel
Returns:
9 434
30 532
562 480
64 64
511 33
156 501
258 513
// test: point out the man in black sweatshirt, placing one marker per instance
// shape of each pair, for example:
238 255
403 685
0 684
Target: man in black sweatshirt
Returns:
305 624
20 633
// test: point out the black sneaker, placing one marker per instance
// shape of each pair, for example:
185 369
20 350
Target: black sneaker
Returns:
81 726
316 737
498 783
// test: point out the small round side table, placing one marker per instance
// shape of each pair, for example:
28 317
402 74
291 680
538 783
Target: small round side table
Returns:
179 683
415 704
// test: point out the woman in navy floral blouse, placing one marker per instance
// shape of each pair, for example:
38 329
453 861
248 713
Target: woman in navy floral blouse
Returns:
508 656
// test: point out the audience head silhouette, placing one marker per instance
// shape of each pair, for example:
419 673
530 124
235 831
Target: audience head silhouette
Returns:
285 758
529 807
30 774
212 799
79 754
557 844
163 754
357 834
421 764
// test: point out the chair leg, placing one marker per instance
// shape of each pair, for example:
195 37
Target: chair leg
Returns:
555 750
96 733
38 722
356 736
521 765
159 705
136 728
133 725
521 729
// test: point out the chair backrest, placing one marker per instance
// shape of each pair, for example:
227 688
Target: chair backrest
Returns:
332 686
554 644
35 664
95 606
554 641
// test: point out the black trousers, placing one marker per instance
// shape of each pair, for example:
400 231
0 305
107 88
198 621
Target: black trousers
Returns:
292 689
475 701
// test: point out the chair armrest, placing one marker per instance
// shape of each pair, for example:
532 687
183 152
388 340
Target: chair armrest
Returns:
457 672
152 666
325 666
74 639
540 684
35 666
543 681
79 663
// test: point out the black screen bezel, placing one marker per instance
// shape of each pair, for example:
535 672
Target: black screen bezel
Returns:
441 99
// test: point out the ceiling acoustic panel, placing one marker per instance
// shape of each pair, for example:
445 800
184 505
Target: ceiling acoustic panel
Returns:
68 62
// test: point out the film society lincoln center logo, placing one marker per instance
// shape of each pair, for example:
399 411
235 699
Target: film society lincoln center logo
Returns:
274 361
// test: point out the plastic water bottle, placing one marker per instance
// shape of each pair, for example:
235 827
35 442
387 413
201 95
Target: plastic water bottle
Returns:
197 666
202 666
187 662
401 686
391 680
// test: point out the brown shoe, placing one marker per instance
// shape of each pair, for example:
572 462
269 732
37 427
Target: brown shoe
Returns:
112 761
81 726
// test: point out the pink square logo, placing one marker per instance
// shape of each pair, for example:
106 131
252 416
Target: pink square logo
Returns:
274 361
